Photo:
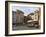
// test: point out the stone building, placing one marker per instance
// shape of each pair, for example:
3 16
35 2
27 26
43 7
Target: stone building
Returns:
18 16
36 16
27 18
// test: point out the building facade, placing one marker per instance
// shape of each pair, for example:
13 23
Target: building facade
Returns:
17 17
35 15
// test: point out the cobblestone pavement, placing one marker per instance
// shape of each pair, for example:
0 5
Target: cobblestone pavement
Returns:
23 27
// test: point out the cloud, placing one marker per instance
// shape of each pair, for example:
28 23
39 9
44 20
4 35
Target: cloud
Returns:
26 10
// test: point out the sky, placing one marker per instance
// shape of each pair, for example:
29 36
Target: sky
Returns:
26 10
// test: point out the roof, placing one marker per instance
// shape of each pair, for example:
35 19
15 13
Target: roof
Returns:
31 14
14 11
19 11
